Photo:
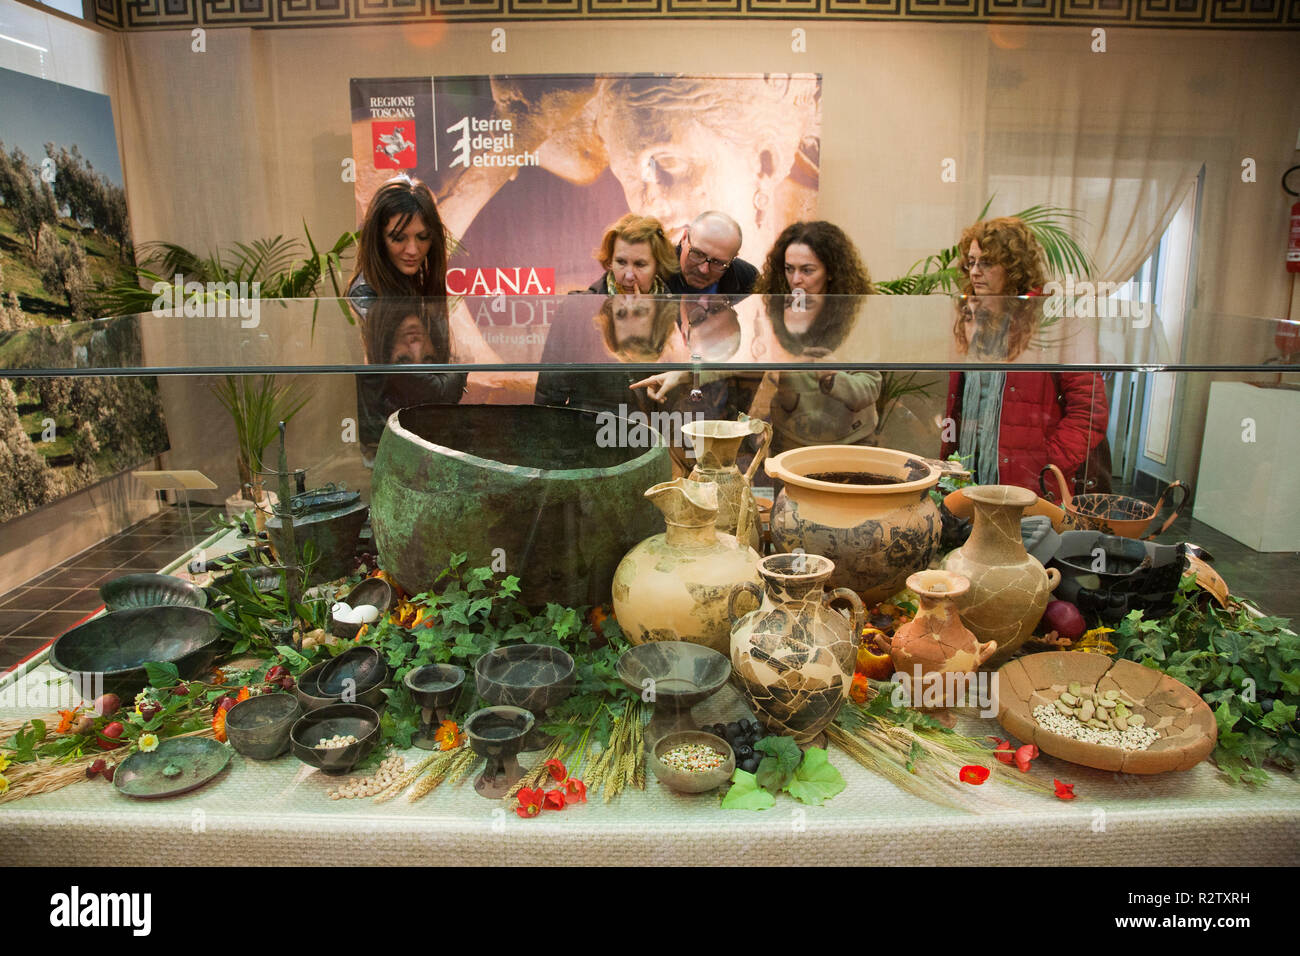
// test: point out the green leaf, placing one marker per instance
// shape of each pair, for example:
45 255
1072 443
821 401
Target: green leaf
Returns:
292 656
1280 716
162 675
746 794
816 780
776 769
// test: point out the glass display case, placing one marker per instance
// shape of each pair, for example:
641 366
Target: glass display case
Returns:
537 437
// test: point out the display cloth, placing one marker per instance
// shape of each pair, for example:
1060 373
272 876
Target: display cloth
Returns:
1194 818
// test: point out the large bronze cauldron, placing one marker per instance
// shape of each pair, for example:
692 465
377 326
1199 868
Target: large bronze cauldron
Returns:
553 495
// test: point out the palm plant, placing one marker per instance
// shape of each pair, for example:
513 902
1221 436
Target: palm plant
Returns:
937 274
257 405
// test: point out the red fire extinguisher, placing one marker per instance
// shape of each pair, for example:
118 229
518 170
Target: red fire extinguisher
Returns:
1293 243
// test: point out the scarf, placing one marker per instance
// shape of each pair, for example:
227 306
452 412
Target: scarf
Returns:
981 412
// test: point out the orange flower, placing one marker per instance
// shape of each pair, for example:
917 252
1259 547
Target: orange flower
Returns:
448 735
66 717
244 694
218 676
860 689
219 725
405 615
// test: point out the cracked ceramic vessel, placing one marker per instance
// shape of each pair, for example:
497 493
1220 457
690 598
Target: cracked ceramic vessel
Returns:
794 657
1009 588
675 586
534 487
716 444
877 534
1187 728
935 640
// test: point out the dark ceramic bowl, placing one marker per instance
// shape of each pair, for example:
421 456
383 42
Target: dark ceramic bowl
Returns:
686 781
150 590
374 591
259 727
535 677
356 719
309 693
120 643
358 668
680 674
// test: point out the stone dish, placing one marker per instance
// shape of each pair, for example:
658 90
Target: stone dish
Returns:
681 674
259 726
684 781
1188 731
535 677
150 590
357 668
357 720
178 765
120 643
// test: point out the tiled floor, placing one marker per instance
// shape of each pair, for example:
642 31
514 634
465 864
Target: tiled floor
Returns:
37 612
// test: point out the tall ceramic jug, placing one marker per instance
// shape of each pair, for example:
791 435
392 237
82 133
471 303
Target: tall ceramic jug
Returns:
794 656
676 586
1009 588
716 444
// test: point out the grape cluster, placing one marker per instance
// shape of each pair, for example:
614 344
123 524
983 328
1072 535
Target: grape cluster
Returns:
742 735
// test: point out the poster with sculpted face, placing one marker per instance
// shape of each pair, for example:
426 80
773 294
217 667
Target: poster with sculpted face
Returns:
529 171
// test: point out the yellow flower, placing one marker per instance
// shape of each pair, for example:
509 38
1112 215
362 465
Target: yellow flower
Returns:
4 785
148 742
4 762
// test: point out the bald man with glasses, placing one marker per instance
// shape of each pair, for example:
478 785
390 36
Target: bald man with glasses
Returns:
707 254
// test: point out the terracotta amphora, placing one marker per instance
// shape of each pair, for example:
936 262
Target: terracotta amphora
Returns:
794 657
936 641
1009 588
676 586
716 444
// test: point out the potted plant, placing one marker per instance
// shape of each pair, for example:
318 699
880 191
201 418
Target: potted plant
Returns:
257 404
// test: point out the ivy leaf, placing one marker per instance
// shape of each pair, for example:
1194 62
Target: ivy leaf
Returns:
1280 716
746 794
816 781
162 675
776 769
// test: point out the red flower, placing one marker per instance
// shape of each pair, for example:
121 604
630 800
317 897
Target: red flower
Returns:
1002 745
530 802
1064 790
859 689
1024 755
974 774
576 791
556 770
554 800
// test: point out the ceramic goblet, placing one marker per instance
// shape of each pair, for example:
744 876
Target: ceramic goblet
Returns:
535 677
435 688
497 734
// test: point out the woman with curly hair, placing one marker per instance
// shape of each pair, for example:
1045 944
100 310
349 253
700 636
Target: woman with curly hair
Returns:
811 281
1012 424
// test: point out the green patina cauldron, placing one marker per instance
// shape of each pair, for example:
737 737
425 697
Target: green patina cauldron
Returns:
552 495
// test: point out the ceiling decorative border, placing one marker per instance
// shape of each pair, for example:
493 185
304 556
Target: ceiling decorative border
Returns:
180 14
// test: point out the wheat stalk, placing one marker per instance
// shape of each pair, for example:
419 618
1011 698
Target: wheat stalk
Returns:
461 766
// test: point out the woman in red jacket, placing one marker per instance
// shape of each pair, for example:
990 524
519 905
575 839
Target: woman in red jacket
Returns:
1015 423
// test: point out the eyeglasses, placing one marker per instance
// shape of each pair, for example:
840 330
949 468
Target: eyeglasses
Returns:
984 265
697 258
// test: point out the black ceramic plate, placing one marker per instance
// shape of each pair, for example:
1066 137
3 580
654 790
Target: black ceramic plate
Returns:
179 765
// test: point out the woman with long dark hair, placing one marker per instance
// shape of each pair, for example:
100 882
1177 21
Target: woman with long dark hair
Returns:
402 245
